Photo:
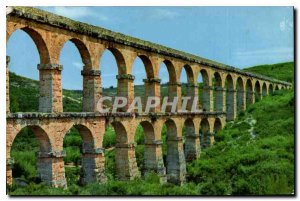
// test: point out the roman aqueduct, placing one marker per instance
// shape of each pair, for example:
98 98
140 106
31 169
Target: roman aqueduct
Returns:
226 91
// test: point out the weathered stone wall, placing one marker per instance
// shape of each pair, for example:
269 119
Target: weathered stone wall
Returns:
50 130
51 32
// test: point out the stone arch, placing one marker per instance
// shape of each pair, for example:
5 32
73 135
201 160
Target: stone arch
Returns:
175 161
121 132
150 162
257 91
205 77
125 81
84 58
190 126
170 89
218 89
171 128
189 73
217 125
41 135
44 162
39 42
87 137
142 66
204 92
187 87
92 168
264 90
229 98
191 150
41 56
119 57
148 130
240 94
271 89
249 92
204 133
276 87
218 79
83 51
171 71
148 65
125 160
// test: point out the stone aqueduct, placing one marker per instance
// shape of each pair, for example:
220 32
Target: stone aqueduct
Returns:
232 90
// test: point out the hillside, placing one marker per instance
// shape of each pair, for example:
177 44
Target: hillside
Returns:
254 155
280 71
24 95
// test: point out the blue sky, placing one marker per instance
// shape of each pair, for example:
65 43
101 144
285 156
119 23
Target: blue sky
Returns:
237 36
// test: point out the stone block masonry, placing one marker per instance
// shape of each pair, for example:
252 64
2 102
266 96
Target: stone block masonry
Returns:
50 125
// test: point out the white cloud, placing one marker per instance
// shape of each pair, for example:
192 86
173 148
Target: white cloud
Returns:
77 12
286 25
162 14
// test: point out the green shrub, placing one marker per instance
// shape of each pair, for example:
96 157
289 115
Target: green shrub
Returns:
109 139
25 165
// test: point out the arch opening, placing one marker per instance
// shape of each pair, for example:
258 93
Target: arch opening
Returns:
217 125
229 98
204 90
109 144
38 41
257 92
125 160
271 89
264 90
168 87
74 57
27 149
110 62
141 69
218 92
145 152
78 143
173 154
240 96
187 89
249 93
188 135
24 57
204 133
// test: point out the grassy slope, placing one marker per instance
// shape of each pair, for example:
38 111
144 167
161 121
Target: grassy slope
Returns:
258 162
280 71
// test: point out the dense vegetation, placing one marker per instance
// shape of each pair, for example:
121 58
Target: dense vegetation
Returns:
254 155
280 71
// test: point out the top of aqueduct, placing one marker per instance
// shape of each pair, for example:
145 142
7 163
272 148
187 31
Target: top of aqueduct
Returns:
101 33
